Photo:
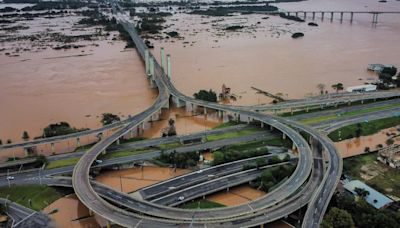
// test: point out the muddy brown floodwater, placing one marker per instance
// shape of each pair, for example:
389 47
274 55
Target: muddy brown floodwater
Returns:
356 146
72 213
265 56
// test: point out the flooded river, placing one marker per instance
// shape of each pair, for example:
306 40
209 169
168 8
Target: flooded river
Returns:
356 146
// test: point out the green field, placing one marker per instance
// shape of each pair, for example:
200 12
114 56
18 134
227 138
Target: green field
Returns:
379 176
360 111
369 128
233 134
62 163
227 124
124 153
201 204
40 195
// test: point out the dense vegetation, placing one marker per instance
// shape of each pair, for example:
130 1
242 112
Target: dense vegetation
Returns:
362 214
234 153
61 128
205 95
272 176
179 160
109 118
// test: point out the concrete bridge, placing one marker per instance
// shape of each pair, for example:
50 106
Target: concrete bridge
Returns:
331 14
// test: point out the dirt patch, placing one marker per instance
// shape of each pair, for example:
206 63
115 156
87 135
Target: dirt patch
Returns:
236 196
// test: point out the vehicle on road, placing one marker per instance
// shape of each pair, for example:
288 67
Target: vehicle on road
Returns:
10 178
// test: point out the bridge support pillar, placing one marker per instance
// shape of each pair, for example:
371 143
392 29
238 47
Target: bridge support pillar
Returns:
131 134
283 136
204 197
262 125
294 147
313 15
91 213
248 120
146 61
162 58
151 63
291 111
238 118
297 14
205 111
331 16
103 152
53 150
349 103
271 128
227 189
305 15
25 152
351 17
374 18
336 105
118 142
78 142
362 101
322 16
220 114
169 66
341 17
307 109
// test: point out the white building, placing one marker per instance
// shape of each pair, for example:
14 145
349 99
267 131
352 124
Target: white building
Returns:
361 88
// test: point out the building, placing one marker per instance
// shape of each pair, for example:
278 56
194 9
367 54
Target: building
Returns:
390 156
362 88
374 198
379 67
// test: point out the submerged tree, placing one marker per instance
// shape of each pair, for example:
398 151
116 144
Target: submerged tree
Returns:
338 87
25 136
321 88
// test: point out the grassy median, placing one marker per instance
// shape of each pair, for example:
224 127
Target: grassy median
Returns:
233 134
35 197
368 128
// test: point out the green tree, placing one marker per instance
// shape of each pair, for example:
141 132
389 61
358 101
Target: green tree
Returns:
109 118
218 158
206 95
338 218
389 141
25 136
361 192
321 88
338 87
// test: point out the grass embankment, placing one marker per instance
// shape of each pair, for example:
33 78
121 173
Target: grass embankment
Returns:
124 153
201 204
374 173
35 197
234 134
62 163
369 128
320 119
227 124
168 146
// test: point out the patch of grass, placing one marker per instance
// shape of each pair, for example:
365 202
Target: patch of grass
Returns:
369 128
227 124
168 146
318 119
131 140
202 204
62 163
279 142
234 134
35 197
384 178
124 153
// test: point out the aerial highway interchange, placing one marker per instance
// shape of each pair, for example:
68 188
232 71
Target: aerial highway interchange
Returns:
312 184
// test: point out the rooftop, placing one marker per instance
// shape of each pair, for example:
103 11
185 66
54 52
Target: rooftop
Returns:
381 199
